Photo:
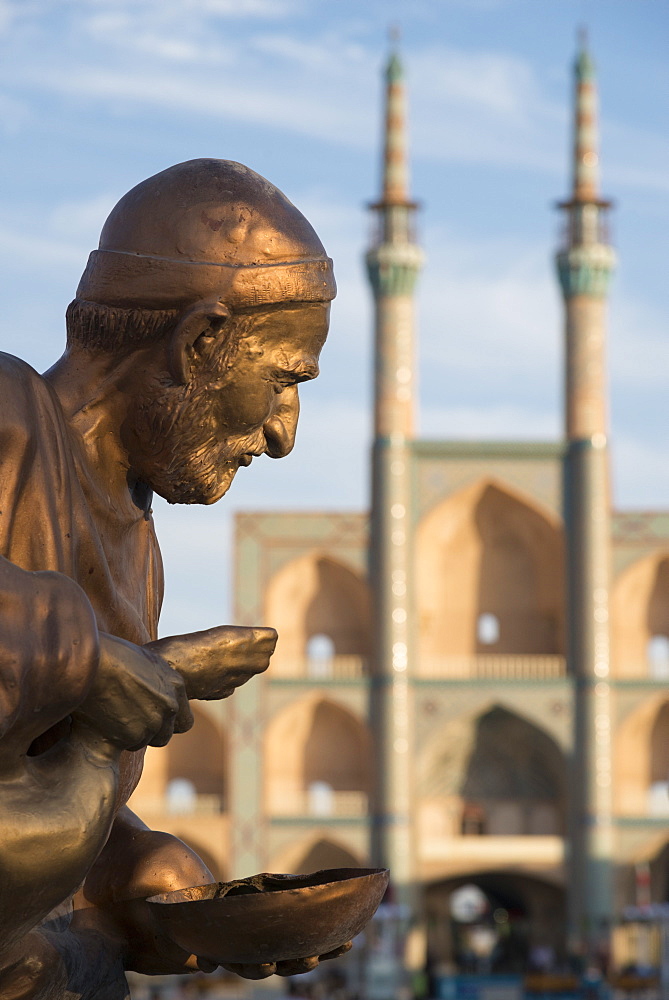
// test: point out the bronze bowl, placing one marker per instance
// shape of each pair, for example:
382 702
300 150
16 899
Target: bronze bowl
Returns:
271 918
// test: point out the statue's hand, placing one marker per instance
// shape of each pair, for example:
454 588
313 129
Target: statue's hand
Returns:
293 968
135 698
137 862
32 970
215 662
148 949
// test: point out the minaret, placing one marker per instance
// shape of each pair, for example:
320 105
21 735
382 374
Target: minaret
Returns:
585 264
393 263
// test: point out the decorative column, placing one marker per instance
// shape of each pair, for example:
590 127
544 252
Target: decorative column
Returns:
393 263
585 264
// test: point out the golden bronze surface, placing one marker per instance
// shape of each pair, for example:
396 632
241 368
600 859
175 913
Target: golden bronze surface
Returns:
204 307
234 236
245 921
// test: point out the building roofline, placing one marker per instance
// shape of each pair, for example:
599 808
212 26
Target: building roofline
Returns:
427 448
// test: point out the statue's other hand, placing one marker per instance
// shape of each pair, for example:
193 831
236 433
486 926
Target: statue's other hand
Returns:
33 970
135 698
135 863
292 968
215 662
148 949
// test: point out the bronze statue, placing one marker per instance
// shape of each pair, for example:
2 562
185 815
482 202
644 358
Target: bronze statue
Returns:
205 306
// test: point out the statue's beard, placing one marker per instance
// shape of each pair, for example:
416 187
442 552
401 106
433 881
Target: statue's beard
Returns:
183 456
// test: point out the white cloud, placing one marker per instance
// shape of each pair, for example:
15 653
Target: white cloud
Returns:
221 59
498 83
484 106
271 9
490 310
182 10
249 100
191 57
62 236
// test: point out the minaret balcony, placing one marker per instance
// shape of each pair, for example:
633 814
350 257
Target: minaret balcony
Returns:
586 269
586 222
393 268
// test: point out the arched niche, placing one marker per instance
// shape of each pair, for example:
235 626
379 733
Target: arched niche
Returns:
658 793
494 773
659 874
486 555
316 851
515 777
641 751
316 595
325 853
639 614
316 741
199 757
522 912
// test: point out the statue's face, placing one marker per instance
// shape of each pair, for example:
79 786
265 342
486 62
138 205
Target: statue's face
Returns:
192 439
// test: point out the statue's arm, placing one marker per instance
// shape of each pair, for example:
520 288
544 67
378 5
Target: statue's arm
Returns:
55 786
70 701
138 862
49 654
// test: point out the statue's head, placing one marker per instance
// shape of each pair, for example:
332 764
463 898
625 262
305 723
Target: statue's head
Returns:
208 276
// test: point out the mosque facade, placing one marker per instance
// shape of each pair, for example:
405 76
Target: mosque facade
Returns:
471 681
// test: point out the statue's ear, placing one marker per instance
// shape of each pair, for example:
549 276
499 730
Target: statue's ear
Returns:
198 331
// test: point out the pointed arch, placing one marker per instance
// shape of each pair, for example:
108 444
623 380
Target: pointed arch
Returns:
642 756
316 851
639 612
316 741
199 756
659 874
659 746
316 595
535 917
515 776
488 551
326 853
495 772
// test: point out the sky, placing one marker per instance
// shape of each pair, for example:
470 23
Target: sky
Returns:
96 95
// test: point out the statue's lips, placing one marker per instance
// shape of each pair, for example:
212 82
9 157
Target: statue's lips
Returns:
271 918
245 459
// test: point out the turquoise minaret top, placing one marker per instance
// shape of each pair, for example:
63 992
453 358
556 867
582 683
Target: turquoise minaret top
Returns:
393 263
586 261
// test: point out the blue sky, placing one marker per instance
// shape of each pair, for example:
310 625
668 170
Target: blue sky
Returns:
95 95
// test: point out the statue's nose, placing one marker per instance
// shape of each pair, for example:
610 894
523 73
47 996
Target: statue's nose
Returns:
279 429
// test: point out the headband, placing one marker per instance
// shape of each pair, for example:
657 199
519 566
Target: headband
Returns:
135 280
